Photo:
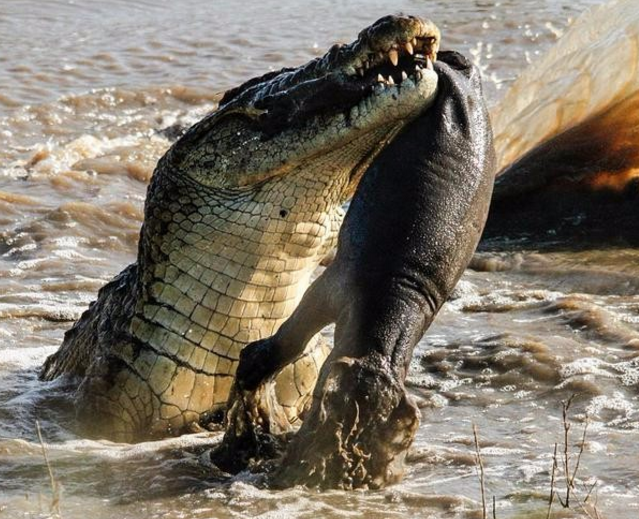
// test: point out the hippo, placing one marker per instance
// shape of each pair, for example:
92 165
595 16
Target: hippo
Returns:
409 233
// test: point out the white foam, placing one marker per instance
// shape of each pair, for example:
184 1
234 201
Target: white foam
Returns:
53 310
617 403
595 447
531 469
124 451
438 401
69 241
25 357
69 254
586 366
629 372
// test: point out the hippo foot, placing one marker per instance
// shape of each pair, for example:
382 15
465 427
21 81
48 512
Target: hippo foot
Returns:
357 433
256 430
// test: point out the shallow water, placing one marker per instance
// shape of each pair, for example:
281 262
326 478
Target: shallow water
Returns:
86 90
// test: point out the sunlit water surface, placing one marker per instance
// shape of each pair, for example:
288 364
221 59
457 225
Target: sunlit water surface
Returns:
86 89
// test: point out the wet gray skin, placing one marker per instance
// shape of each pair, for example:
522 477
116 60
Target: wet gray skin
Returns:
239 213
410 231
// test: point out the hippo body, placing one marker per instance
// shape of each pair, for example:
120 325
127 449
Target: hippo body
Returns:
410 231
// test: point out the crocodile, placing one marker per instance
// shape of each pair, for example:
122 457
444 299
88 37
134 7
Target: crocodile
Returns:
238 215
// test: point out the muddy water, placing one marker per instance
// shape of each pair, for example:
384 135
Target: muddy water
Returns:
86 90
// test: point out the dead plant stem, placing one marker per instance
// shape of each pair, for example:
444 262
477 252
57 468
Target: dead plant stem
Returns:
480 464
55 488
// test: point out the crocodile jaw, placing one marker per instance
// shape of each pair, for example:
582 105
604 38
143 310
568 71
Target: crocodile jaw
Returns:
272 125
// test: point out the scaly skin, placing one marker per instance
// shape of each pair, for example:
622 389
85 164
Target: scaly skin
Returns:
238 215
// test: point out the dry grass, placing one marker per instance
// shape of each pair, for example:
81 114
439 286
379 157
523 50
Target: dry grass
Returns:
55 486
574 496
480 471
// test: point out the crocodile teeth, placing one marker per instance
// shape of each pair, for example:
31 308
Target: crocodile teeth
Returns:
393 56
391 81
409 47
429 64
380 79
360 72
404 76
414 42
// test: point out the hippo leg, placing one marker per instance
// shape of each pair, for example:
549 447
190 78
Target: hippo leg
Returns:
256 424
362 422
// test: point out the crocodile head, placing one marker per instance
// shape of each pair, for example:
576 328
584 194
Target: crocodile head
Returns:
364 91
